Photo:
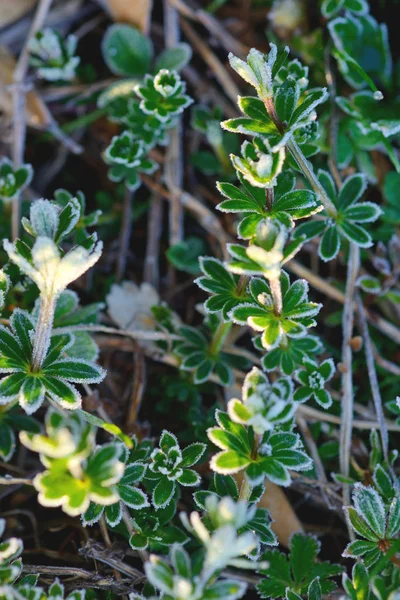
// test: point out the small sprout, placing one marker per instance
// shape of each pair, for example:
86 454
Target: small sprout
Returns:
13 181
176 579
45 265
53 57
257 164
163 95
10 564
224 545
222 285
312 379
128 158
130 495
264 404
169 466
76 471
203 357
290 353
296 317
257 70
54 377
349 220
377 524
287 205
276 454
268 252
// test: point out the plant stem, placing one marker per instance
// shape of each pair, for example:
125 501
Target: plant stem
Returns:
303 164
43 331
245 490
125 234
15 481
19 90
219 336
276 291
346 426
309 174
373 379
242 284
269 198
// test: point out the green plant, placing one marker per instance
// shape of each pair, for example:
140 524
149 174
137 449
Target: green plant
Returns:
296 573
53 57
14 587
13 181
243 384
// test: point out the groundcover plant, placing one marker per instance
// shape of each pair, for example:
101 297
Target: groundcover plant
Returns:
199 295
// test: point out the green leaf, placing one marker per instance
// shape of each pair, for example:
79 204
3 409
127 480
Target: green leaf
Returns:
109 427
185 255
393 521
303 552
228 461
358 548
314 590
76 371
7 441
167 441
163 493
312 100
229 589
67 219
359 525
23 326
192 454
189 478
126 50
331 7
10 387
248 126
138 541
10 348
93 514
369 284
352 190
356 234
31 395
276 472
295 201
203 371
225 485
174 59
330 244
286 100
382 481
61 391
310 230
278 575
132 497
365 212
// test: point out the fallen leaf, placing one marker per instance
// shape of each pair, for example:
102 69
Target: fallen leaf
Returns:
11 11
134 12
37 114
